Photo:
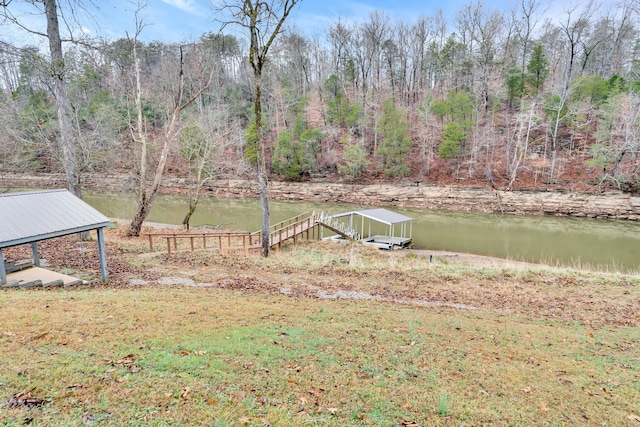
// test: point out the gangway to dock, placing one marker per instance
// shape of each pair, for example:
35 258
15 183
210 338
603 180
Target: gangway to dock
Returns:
360 226
294 228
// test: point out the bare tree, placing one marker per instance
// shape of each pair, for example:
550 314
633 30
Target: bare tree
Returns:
481 32
147 191
576 29
202 145
264 21
68 144
526 26
518 146
612 41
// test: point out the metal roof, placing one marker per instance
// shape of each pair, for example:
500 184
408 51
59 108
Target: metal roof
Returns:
38 215
379 214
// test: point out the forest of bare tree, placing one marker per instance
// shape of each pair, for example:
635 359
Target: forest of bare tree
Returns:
512 99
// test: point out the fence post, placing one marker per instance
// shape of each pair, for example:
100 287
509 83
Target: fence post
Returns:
150 242
169 246
191 238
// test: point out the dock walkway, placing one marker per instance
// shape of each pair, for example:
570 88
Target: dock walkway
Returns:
307 225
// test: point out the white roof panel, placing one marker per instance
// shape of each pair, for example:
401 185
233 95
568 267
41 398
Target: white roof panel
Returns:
379 214
38 215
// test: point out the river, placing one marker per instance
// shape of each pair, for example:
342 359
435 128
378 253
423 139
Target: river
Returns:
579 242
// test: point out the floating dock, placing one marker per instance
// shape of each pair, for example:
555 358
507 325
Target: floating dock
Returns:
378 227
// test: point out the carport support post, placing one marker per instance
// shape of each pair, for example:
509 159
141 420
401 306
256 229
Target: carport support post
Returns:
103 256
3 272
36 255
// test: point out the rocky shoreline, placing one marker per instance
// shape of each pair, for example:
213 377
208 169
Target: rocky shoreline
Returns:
606 205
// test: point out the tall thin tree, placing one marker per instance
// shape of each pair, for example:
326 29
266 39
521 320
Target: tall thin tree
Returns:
263 20
68 143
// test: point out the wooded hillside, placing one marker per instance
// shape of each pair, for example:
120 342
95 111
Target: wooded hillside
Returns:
511 99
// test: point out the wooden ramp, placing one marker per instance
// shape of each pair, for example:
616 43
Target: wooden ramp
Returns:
294 228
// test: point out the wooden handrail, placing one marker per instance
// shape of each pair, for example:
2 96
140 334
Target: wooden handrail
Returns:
281 229
290 220
245 235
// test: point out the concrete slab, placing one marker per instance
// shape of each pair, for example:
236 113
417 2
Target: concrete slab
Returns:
47 277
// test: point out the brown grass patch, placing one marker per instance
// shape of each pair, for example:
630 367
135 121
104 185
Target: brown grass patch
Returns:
318 334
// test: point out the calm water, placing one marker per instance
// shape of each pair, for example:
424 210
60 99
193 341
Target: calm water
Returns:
572 241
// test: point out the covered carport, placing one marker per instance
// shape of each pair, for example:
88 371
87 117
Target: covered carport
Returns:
30 217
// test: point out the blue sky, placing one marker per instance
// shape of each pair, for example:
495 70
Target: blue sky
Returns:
178 20
186 20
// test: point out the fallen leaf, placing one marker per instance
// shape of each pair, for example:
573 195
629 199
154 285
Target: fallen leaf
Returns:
265 421
25 399
544 407
185 392
316 391
527 390
406 405
200 352
128 360
633 417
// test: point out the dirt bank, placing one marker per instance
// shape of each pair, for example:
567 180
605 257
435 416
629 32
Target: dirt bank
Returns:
608 205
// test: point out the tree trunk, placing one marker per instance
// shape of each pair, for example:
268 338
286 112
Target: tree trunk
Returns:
144 207
143 204
263 177
187 217
67 139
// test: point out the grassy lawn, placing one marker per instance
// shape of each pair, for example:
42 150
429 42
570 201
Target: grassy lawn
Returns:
319 335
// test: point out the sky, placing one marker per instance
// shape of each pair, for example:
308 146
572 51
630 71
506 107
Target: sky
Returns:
186 20
176 20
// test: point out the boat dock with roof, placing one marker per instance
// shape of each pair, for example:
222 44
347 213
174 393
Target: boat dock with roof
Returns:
378 227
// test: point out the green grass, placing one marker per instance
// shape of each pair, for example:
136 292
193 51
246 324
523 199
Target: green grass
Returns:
187 356
530 345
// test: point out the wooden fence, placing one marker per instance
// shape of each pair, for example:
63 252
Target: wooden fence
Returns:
222 241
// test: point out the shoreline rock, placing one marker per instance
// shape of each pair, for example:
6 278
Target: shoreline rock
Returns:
607 205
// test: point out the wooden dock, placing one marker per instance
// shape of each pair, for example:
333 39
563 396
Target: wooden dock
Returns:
304 226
